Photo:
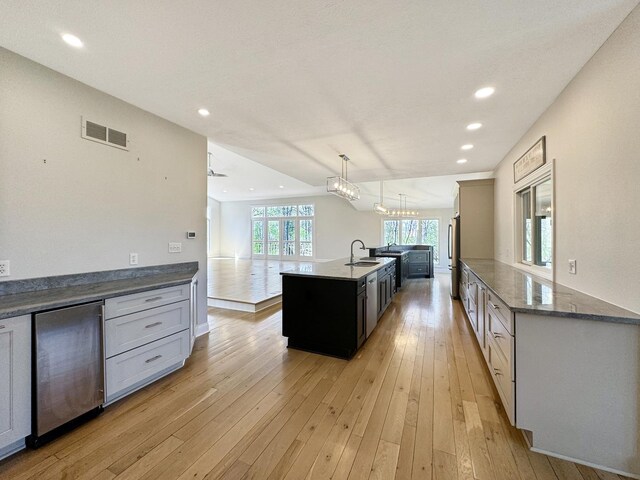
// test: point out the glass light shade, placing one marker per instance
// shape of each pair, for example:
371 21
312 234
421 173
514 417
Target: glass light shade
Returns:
342 188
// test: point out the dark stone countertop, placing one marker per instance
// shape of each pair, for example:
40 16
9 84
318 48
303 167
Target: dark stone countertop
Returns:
526 293
21 297
336 269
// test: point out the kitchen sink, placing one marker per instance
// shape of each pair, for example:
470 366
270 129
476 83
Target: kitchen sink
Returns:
362 264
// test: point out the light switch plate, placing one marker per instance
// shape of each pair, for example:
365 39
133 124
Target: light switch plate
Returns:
572 267
133 259
4 268
175 247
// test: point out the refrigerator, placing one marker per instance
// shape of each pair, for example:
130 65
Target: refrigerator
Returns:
454 255
68 370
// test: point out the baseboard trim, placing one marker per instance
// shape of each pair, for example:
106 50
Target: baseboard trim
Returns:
588 464
202 329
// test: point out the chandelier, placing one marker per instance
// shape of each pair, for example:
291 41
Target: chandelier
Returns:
403 212
340 186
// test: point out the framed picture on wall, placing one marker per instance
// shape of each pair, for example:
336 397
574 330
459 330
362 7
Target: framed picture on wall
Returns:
533 159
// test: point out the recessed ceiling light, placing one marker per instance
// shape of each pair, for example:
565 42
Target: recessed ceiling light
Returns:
203 112
485 92
251 189
72 40
462 160
468 146
474 126
224 191
281 186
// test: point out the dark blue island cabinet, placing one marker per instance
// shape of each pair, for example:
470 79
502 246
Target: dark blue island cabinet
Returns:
325 316
329 307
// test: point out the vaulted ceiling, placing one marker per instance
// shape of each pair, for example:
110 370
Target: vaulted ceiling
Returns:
291 84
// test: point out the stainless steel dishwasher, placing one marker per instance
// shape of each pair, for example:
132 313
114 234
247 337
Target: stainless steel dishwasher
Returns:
372 302
68 369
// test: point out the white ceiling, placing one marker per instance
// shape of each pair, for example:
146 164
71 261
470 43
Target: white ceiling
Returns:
249 180
290 84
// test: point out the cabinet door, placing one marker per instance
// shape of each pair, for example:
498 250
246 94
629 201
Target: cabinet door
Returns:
15 379
361 317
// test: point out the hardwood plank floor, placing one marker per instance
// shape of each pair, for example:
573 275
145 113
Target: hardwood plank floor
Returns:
415 403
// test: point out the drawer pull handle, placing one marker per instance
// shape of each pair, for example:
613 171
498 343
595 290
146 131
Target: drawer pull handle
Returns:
1 327
497 335
154 324
497 372
496 307
153 299
153 359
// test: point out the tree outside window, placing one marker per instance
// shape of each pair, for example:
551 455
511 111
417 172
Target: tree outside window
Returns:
425 231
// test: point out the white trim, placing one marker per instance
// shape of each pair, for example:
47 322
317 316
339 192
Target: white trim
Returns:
582 462
202 329
534 178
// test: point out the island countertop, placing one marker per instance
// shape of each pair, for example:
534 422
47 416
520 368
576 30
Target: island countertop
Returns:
336 269
526 293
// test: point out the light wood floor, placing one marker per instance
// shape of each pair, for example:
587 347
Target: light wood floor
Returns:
245 280
416 403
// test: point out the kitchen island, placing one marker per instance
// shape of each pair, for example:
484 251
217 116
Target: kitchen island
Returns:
325 306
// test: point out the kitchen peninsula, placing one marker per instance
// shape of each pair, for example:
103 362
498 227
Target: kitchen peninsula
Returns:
332 307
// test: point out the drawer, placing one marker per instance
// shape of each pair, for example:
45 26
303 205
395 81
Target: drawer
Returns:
501 340
495 305
137 365
472 313
136 302
417 268
472 291
499 369
131 331
418 257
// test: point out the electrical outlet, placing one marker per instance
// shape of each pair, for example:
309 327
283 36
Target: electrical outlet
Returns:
133 259
572 267
4 268
175 247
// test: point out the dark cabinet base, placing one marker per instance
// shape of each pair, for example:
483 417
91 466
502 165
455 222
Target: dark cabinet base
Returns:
323 315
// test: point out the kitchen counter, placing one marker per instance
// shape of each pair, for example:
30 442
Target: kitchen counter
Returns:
336 269
526 293
20 297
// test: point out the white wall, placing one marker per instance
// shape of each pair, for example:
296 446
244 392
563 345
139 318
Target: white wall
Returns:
592 133
213 214
90 205
337 224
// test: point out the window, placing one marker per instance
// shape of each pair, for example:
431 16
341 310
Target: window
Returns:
425 231
535 222
282 231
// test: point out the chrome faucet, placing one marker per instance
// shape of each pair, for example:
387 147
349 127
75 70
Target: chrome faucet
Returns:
361 248
389 245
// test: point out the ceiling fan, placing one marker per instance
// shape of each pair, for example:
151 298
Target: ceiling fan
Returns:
210 172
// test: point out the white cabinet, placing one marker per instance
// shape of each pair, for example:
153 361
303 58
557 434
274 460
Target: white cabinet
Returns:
15 383
147 336
493 324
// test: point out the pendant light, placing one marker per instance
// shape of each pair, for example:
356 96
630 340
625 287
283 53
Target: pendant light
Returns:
379 208
403 212
340 186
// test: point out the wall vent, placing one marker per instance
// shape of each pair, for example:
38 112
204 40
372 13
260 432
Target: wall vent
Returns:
102 134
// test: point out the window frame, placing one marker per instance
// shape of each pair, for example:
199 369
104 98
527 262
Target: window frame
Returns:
281 240
544 173
418 233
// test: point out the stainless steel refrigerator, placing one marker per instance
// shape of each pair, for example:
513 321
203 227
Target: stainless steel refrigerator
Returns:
454 255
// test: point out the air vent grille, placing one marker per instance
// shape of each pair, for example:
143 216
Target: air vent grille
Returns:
96 131
117 138
102 134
